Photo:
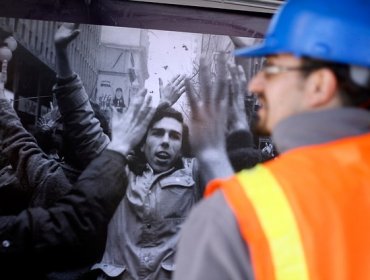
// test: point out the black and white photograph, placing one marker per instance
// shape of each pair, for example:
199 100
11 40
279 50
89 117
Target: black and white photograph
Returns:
72 91
184 140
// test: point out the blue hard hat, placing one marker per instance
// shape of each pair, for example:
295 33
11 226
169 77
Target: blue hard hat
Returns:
337 31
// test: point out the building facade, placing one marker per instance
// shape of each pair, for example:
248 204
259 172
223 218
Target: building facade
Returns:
31 72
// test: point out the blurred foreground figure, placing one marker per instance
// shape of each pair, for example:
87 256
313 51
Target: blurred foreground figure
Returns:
305 214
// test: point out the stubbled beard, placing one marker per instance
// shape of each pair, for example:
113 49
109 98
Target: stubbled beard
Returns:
258 128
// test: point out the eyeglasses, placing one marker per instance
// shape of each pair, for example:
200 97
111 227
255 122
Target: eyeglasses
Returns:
270 69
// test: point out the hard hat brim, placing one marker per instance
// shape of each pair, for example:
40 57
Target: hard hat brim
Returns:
257 50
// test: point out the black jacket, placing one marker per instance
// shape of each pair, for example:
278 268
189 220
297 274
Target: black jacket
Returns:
70 233
41 179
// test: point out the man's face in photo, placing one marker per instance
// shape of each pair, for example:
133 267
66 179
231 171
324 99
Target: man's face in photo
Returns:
163 144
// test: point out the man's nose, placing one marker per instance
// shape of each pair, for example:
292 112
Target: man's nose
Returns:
165 139
256 84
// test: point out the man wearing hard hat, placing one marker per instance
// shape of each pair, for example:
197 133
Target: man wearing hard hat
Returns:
305 214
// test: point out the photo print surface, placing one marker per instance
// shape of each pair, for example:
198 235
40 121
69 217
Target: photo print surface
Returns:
65 81
109 60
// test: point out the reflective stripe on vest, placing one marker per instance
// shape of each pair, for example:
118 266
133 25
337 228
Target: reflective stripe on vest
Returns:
276 243
282 233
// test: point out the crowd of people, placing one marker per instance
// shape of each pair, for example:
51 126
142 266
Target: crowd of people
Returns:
152 196
159 176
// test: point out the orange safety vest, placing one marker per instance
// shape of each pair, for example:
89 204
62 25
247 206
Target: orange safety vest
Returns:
306 214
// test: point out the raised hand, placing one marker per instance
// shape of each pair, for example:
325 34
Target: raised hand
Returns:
237 117
172 91
129 128
65 34
209 111
208 120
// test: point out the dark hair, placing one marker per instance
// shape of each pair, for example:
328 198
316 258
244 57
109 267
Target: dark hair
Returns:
351 93
168 112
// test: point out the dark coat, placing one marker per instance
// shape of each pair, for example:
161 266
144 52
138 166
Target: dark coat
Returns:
40 178
70 233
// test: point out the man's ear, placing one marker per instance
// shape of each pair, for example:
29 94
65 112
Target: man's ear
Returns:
322 89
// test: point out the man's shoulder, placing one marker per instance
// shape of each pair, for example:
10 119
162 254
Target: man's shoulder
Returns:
214 208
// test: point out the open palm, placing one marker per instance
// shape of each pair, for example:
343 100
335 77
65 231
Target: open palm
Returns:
66 33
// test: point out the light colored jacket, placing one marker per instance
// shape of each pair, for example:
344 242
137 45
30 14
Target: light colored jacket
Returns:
144 231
